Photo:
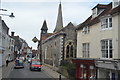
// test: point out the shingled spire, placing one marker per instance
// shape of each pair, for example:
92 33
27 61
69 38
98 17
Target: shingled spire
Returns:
59 23
44 28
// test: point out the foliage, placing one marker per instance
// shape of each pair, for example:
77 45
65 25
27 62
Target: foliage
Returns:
69 67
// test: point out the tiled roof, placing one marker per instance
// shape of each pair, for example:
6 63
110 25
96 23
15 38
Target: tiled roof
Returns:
100 6
44 36
91 21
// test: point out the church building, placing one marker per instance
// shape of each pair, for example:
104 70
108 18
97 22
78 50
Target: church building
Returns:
59 45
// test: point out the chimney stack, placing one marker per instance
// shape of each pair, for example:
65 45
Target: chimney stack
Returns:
12 33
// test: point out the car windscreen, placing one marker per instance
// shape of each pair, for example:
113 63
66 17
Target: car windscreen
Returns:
36 62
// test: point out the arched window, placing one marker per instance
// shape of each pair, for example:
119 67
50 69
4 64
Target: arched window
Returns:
71 51
67 51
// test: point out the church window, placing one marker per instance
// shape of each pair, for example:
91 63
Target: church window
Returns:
67 51
71 51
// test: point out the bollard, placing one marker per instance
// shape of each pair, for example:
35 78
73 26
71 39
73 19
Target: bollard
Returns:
60 77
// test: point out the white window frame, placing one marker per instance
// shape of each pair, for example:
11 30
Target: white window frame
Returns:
116 3
94 12
86 49
105 23
86 29
105 47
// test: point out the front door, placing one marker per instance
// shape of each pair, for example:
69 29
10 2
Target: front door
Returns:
113 76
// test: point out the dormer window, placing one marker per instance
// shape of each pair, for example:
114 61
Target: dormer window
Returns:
94 12
116 3
98 9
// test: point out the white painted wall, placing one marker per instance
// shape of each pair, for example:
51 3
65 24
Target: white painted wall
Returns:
119 36
0 42
96 35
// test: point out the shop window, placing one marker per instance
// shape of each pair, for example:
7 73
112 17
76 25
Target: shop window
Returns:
92 73
83 71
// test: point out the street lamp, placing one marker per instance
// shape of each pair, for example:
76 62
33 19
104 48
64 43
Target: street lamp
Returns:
35 39
11 15
39 48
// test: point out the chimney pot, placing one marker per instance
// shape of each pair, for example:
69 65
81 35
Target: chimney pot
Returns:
12 33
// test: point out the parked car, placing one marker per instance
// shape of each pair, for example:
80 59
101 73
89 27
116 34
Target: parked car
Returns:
35 64
19 63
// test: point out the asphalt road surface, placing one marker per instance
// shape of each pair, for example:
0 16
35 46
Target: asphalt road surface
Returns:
26 73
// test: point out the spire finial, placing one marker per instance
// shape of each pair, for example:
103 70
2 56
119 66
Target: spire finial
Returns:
60 1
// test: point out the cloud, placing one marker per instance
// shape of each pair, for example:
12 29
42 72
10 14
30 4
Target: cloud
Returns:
56 0
29 17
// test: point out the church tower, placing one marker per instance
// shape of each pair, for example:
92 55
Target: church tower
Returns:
59 23
44 28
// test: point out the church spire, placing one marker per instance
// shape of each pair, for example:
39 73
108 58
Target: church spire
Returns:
59 23
44 28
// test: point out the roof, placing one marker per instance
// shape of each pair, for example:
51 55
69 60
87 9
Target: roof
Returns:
44 26
5 26
69 24
54 36
59 22
91 21
44 36
100 6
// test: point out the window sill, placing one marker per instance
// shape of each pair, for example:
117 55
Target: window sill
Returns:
106 58
106 29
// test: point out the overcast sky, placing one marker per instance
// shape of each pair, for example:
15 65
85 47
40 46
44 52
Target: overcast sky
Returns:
30 14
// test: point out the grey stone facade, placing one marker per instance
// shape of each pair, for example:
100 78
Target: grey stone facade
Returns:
54 47
60 45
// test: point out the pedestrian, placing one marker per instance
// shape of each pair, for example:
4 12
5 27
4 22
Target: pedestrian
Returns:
7 63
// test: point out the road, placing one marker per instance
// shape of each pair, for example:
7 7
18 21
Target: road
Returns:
26 73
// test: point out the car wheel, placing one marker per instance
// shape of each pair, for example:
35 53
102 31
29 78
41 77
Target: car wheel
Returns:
40 70
30 69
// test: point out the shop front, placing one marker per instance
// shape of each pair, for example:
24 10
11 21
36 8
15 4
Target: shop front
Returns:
108 69
85 69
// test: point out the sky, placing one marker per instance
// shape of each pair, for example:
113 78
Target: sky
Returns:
30 14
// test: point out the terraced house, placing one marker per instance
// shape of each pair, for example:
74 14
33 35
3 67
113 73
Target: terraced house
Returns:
98 44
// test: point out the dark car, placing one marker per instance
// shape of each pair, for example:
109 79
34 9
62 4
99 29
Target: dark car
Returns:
19 63
35 65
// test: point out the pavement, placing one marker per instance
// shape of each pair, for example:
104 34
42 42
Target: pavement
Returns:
0 73
53 72
5 70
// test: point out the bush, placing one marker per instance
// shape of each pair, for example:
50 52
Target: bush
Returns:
70 67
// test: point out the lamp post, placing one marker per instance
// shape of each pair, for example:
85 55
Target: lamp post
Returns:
35 39
11 15
39 48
